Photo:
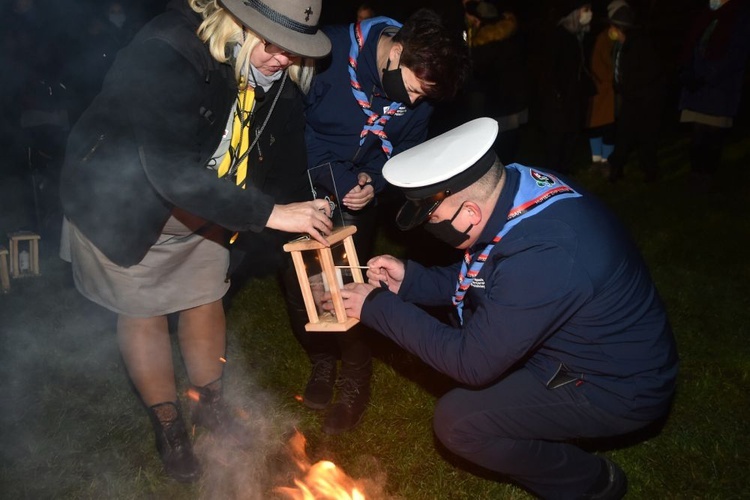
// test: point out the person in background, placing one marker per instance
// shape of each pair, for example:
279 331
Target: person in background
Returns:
104 34
640 84
600 123
36 98
371 102
157 178
365 11
713 65
120 22
558 333
565 84
32 51
498 84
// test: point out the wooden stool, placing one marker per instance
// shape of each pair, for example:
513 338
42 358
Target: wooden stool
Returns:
4 278
15 262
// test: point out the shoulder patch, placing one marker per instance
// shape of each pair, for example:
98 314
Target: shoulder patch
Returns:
541 179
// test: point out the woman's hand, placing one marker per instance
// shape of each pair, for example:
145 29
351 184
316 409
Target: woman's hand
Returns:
311 217
361 194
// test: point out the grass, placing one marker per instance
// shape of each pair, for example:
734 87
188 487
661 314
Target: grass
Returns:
70 426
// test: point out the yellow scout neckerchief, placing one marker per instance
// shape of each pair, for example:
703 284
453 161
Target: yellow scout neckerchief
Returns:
235 161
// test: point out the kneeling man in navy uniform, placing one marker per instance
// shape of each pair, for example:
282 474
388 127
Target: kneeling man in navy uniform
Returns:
559 332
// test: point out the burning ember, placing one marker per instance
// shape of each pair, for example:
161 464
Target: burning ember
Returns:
320 481
193 394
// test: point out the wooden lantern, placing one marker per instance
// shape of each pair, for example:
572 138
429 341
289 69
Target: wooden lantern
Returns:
24 261
323 269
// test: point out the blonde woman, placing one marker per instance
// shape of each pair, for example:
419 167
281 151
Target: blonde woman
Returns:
197 134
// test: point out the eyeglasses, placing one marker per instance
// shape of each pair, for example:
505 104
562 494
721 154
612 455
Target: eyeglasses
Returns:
413 213
436 201
275 50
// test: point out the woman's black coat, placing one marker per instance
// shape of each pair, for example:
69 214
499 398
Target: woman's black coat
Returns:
142 146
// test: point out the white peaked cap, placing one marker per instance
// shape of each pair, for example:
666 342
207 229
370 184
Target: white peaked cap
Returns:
442 157
446 164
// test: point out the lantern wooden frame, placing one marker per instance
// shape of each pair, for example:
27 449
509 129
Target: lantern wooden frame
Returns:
16 241
327 322
4 276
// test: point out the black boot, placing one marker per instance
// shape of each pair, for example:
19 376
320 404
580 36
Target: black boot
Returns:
173 442
319 389
353 394
612 483
211 412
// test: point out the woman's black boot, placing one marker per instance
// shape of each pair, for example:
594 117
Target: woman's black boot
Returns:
173 442
211 412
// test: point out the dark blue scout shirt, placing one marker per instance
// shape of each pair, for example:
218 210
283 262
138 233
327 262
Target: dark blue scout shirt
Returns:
335 120
564 287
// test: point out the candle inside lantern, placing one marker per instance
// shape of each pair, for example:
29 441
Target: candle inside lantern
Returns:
339 280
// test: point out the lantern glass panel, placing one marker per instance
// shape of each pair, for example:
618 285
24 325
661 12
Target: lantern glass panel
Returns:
319 283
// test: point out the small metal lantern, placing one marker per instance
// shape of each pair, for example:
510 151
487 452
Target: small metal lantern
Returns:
323 269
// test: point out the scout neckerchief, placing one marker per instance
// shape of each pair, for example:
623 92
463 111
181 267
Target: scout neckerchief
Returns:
235 161
536 191
236 158
374 125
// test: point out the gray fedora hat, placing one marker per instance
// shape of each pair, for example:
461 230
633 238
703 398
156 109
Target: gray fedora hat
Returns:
289 24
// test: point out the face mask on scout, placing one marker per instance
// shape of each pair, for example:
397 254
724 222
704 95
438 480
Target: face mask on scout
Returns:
264 81
258 79
393 85
445 232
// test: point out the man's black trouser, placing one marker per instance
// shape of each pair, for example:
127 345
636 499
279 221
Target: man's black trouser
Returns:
521 429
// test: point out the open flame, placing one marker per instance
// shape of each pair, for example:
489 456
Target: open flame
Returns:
319 481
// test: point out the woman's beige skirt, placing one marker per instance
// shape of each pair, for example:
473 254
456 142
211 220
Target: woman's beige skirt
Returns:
180 271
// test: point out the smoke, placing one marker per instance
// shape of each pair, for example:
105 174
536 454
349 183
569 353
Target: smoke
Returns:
260 457
71 426
247 460
62 387
69 421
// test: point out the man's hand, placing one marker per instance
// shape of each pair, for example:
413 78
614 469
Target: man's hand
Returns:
386 269
354 295
361 194
311 217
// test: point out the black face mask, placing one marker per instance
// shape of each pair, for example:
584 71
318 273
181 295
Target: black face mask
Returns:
393 84
445 232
